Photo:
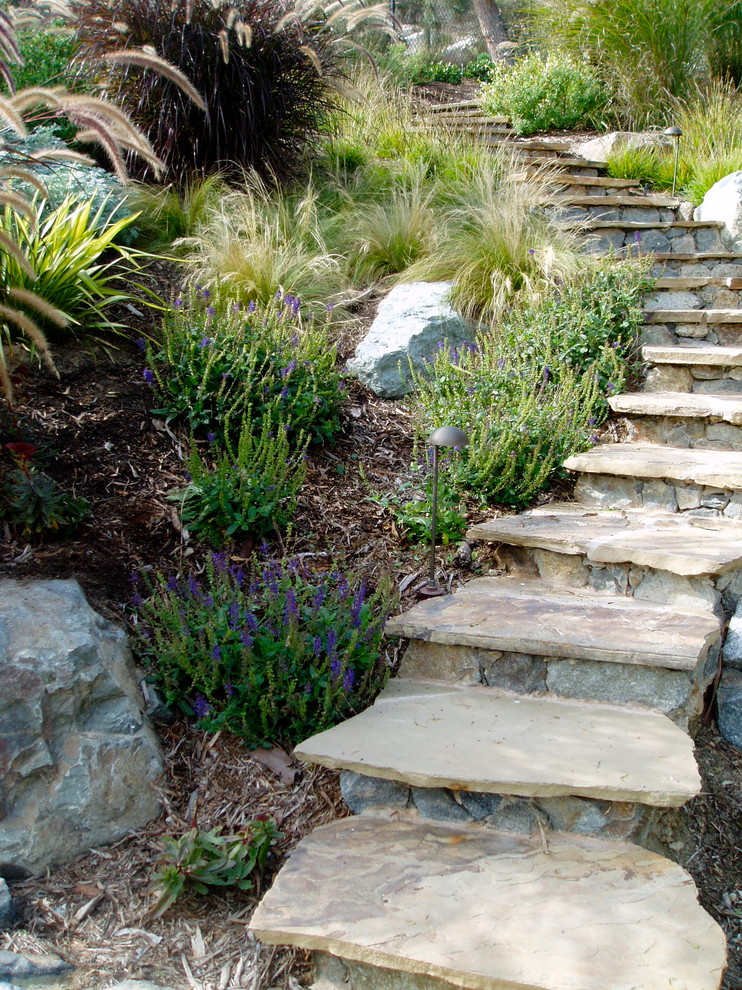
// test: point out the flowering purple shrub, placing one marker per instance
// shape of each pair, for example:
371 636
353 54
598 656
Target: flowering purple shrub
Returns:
219 359
274 654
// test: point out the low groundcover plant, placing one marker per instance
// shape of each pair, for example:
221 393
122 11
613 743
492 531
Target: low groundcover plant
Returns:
273 653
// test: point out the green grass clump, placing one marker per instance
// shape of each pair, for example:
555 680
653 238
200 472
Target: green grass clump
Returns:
545 93
273 655
709 149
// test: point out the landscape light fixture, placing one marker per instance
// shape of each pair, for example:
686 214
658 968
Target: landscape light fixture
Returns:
444 436
675 133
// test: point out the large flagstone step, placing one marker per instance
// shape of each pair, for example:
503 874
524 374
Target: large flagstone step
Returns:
682 419
527 617
463 906
686 546
694 316
628 200
698 282
580 164
524 637
435 735
658 476
721 357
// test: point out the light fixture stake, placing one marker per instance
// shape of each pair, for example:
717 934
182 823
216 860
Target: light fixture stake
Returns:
444 436
675 133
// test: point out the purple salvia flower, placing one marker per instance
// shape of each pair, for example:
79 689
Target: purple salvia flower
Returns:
319 597
142 344
349 680
317 645
251 306
331 641
233 616
335 667
136 600
291 610
201 706
216 653
252 622
246 638
172 582
148 376
357 606
178 303
228 689
205 342
219 560
193 586
210 311
206 294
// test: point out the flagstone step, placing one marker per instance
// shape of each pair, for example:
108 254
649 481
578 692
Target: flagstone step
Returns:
651 225
527 617
679 405
722 357
684 372
693 316
565 162
700 256
659 476
433 735
643 201
664 541
473 105
698 282
598 181
462 906
662 462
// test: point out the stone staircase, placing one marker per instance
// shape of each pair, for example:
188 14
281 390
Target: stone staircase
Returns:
516 788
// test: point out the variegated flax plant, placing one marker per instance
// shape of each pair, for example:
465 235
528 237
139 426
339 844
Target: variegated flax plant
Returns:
94 119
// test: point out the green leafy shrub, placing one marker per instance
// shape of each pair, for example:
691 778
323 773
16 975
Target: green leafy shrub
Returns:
272 656
479 68
32 503
247 489
218 360
200 859
651 52
544 94
536 392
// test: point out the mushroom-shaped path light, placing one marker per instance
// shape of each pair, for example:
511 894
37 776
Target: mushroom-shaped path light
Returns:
444 436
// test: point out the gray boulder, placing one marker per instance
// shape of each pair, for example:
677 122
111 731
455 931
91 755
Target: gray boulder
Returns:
410 323
600 148
77 757
7 908
732 650
14 966
723 202
729 702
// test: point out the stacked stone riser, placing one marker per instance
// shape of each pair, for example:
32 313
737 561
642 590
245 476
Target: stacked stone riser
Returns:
696 433
660 830
686 267
676 693
701 379
687 334
703 297
716 593
606 491
608 214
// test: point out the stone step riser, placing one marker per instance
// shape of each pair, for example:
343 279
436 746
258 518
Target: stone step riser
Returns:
677 431
702 297
687 334
700 379
715 593
608 491
676 693
678 240
657 829
700 267
627 213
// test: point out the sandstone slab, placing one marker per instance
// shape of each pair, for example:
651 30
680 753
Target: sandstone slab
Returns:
694 315
723 357
684 545
679 405
655 461
490 910
499 614
479 739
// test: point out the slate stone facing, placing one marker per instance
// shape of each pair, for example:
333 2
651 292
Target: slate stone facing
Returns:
729 702
78 758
